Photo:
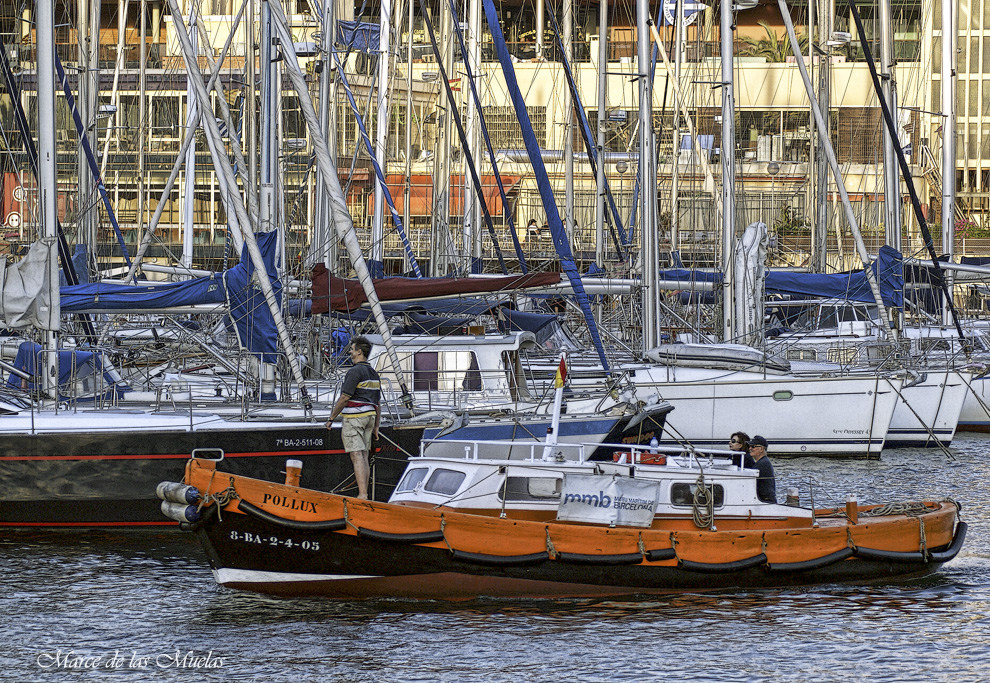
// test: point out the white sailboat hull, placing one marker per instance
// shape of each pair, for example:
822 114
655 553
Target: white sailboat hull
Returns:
822 416
975 413
928 412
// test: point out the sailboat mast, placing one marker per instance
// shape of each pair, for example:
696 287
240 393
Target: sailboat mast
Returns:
675 171
727 155
189 192
323 233
568 28
47 169
648 184
250 105
891 172
87 97
472 205
407 182
600 169
819 245
142 111
381 134
269 131
948 96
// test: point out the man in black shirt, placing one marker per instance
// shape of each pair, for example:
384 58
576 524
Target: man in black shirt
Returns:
359 409
766 485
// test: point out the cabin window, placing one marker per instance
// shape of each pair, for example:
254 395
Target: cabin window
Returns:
444 482
683 494
412 479
449 371
530 488
841 355
472 378
784 395
802 354
930 345
426 371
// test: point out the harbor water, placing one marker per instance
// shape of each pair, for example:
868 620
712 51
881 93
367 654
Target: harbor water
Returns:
84 605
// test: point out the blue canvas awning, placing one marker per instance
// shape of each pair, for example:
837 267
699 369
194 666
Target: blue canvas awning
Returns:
359 36
71 364
854 286
246 304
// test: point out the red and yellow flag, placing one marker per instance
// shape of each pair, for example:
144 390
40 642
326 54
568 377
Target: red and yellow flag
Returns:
558 381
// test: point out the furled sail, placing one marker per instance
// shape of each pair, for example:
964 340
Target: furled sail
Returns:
332 293
26 289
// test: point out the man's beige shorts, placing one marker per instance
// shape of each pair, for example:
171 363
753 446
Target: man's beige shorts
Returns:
356 433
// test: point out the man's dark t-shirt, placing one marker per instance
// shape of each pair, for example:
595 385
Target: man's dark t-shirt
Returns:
364 387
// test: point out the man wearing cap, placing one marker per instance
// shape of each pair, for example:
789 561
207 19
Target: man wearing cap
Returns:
766 486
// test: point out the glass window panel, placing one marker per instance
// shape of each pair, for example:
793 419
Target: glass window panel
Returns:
445 482
412 479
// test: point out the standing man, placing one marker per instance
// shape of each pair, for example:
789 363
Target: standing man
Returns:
766 484
359 409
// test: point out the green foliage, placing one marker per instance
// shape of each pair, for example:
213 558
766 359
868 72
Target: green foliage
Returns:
773 47
789 223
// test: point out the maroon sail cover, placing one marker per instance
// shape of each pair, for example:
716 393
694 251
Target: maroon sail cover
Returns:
332 293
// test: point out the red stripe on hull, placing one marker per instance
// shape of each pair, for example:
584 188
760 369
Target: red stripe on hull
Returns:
167 456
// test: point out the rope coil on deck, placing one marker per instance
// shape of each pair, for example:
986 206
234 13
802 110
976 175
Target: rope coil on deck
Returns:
910 509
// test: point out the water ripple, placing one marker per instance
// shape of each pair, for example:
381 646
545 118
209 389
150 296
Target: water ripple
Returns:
149 599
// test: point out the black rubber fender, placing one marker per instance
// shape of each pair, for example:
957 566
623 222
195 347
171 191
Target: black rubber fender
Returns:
422 537
580 558
954 547
328 525
723 567
659 554
816 563
915 557
500 560
890 556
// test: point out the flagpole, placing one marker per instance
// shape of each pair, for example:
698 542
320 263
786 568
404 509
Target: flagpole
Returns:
553 432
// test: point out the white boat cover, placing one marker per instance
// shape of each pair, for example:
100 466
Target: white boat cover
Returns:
717 356
27 289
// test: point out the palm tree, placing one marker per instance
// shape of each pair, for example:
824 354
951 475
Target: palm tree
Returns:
772 47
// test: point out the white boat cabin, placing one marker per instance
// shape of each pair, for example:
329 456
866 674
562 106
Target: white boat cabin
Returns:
480 481
456 371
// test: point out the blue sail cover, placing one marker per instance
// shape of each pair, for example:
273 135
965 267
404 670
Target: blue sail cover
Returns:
247 308
524 321
358 35
849 286
888 268
688 275
246 302
81 364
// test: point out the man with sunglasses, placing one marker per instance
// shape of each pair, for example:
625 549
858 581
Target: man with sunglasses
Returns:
766 486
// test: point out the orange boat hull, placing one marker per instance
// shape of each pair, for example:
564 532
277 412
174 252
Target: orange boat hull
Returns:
292 541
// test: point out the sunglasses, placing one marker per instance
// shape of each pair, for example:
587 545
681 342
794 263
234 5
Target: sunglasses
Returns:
735 441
